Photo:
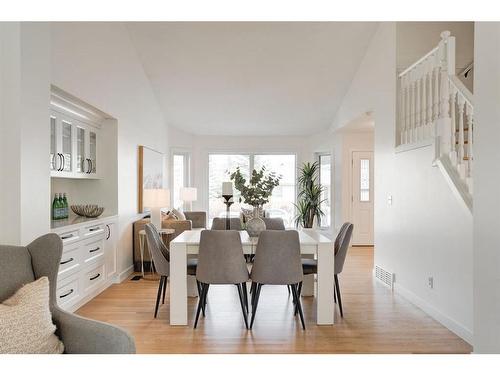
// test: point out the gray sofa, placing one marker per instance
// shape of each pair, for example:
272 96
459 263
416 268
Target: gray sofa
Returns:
20 265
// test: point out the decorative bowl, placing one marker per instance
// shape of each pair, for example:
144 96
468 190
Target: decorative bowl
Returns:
87 210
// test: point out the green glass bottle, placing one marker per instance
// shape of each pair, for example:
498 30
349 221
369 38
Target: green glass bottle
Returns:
54 207
65 206
60 208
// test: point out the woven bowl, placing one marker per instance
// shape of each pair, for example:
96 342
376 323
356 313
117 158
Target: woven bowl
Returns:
87 210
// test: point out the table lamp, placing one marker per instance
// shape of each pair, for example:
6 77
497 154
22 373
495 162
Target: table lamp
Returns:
156 199
188 195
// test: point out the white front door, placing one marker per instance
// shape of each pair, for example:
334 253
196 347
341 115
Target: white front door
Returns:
362 197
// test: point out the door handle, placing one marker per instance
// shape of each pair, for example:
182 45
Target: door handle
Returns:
63 162
66 294
67 261
59 157
109 231
94 250
95 277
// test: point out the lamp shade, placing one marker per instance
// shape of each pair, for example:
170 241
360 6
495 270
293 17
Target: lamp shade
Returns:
188 194
154 198
227 188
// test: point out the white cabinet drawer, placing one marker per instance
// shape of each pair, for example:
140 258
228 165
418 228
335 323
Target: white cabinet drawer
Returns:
93 230
68 291
93 250
94 277
69 237
70 262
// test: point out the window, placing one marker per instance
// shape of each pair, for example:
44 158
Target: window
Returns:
220 167
281 202
325 167
180 177
364 180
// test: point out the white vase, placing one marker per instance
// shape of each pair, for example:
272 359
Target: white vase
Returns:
255 225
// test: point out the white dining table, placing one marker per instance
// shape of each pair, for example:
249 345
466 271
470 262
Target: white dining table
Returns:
312 243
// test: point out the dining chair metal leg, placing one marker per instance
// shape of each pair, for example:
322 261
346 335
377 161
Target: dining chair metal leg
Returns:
337 287
255 296
164 289
160 285
198 285
288 287
334 292
201 302
245 295
298 304
252 288
252 291
299 292
242 303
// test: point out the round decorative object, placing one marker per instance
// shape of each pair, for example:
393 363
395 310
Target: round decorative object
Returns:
87 210
255 225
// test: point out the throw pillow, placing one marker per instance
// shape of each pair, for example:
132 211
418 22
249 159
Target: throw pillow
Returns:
27 322
180 215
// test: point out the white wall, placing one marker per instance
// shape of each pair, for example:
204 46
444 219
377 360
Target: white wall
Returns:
424 232
486 186
97 63
24 132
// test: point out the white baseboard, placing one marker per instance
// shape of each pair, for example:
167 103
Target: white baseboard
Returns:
124 275
451 324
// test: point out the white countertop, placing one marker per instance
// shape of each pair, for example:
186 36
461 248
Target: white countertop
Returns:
76 221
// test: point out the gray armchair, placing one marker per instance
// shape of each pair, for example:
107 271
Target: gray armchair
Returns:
20 265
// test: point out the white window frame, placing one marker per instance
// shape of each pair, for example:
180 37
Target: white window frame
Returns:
251 154
318 159
187 172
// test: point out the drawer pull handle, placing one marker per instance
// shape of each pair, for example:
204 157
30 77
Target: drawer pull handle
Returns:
66 294
93 229
66 237
67 261
95 277
94 250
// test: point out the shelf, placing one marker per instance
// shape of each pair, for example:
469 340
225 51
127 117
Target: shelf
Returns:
74 221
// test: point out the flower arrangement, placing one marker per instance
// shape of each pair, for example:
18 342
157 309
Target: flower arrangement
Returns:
260 187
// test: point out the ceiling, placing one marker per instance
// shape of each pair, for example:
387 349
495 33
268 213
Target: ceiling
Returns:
250 78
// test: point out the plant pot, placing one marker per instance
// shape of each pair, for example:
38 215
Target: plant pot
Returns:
255 225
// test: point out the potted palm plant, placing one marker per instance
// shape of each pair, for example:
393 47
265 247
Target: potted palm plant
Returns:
309 197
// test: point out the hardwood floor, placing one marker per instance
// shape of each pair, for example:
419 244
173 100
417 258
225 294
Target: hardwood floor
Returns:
375 320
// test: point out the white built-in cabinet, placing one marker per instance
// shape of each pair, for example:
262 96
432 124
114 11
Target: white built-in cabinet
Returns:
88 262
73 146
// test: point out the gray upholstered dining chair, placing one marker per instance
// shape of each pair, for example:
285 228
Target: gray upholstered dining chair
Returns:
221 261
219 223
161 259
341 245
277 262
20 265
274 223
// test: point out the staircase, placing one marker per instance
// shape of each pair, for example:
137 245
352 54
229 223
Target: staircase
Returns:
435 107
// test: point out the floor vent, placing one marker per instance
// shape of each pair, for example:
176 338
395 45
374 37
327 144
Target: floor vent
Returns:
386 277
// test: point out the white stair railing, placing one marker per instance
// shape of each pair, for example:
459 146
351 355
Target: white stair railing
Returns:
435 105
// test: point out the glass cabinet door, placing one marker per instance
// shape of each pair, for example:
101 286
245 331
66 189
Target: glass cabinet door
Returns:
54 157
81 162
93 151
67 130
